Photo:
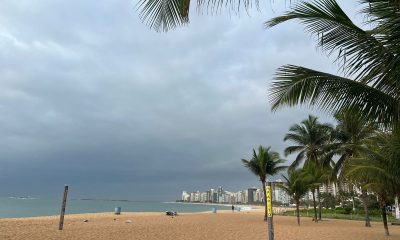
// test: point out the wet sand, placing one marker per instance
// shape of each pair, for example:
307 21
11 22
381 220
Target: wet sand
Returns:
194 226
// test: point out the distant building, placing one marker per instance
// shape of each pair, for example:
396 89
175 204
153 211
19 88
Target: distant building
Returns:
220 192
259 196
203 197
278 194
328 188
185 196
251 194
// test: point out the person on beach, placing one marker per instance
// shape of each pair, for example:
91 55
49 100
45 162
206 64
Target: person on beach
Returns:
233 208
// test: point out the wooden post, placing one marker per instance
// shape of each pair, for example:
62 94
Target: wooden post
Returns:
63 205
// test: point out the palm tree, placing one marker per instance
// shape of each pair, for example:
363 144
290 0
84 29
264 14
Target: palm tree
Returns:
382 168
352 135
368 61
265 163
315 175
310 137
296 187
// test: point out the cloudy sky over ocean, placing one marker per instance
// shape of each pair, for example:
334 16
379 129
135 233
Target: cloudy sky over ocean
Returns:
91 97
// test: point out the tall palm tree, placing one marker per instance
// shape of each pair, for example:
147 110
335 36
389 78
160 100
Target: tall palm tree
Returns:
310 138
382 166
315 175
352 135
296 187
263 164
380 181
368 60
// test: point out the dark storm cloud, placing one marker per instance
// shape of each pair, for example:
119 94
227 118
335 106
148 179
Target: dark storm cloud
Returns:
89 96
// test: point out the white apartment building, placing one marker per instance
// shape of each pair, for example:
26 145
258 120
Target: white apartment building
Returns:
185 196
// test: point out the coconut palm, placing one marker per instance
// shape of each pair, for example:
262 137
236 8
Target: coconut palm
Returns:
352 135
296 187
315 175
381 170
310 138
263 164
368 61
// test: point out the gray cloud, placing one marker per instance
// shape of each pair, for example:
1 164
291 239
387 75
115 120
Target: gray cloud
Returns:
89 96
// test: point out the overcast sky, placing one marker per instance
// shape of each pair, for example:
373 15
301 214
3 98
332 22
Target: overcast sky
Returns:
91 97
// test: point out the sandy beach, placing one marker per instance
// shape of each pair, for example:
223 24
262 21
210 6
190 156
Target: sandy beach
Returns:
152 226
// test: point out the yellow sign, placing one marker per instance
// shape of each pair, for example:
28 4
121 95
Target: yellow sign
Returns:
269 201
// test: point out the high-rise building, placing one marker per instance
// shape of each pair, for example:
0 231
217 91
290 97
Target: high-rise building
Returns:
185 196
328 188
278 194
250 195
203 197
208 198
220 192
212 195
259 195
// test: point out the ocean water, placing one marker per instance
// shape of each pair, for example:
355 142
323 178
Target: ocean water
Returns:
32 207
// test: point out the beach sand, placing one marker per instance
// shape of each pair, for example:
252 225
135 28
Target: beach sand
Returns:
223 225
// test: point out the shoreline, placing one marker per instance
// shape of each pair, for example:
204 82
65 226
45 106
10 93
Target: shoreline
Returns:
219 204
124 214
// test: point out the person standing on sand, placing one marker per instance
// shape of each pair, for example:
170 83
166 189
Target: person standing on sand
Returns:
233 208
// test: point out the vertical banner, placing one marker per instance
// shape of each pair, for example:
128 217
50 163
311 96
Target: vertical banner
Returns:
269 201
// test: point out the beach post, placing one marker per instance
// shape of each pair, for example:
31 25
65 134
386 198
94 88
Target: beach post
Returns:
270 214
63 205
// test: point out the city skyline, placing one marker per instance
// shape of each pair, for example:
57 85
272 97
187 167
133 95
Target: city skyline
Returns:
254 195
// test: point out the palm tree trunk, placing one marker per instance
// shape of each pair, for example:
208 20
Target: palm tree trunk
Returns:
265 201
298 211
365 203
384 217
319 204
315 206
396 203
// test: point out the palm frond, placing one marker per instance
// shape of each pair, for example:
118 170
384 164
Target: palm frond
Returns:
165 15
359 52
293 149
298 85
264 162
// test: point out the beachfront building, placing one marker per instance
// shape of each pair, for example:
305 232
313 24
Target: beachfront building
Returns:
203 197
259 195
240 197
220 192
251 195
329 188
278 194
213 196
185 197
